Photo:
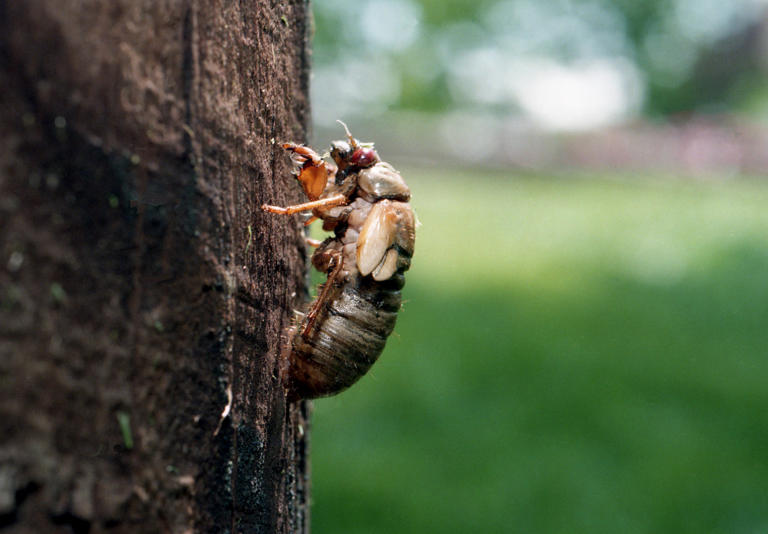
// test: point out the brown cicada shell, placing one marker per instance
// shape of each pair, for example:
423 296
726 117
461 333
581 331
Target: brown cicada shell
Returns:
364 202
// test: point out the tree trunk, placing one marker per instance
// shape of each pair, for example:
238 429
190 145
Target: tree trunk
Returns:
143 294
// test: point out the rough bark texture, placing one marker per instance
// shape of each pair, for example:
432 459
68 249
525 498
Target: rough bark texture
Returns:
140 286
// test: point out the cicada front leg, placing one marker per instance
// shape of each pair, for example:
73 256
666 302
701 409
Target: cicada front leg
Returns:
313 172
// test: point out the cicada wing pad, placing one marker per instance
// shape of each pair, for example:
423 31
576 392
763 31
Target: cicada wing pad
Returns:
386 240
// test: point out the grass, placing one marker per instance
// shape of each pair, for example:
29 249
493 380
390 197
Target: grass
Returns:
574 356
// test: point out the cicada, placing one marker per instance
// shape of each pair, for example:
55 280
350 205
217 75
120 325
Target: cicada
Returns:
363 201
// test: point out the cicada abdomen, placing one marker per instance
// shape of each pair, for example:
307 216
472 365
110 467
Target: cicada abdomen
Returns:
347 340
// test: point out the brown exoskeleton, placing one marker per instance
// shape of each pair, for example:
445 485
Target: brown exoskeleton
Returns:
364 202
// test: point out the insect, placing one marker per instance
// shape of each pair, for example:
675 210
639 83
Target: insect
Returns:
364 202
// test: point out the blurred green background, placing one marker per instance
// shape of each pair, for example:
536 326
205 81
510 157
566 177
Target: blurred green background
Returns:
582 349
581 355
666 56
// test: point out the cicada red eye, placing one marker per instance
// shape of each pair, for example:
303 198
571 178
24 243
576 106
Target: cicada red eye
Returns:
364 157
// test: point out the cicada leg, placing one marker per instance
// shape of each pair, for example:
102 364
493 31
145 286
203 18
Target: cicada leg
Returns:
337 262
304 153
312 172
335 200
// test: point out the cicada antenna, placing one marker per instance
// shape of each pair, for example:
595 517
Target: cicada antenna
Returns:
352 140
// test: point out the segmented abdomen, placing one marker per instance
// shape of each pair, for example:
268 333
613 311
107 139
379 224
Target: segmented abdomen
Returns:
347 338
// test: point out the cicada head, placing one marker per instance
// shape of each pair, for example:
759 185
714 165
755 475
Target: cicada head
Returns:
341 151
352 155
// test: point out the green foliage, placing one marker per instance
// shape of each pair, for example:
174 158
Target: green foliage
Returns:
577 356
673 55
439 13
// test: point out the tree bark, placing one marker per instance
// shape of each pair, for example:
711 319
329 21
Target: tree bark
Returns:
143 294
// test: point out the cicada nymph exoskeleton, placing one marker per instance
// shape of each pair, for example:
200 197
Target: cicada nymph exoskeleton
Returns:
364 202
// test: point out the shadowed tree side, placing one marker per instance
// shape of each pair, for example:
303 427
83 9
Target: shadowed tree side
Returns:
143 294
